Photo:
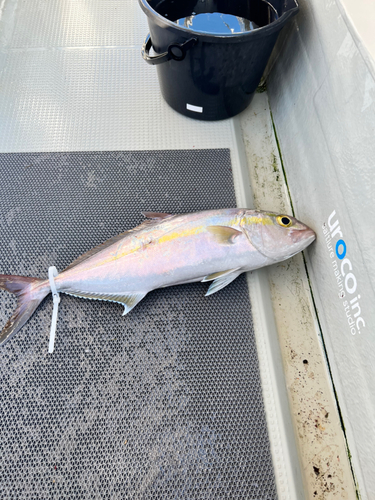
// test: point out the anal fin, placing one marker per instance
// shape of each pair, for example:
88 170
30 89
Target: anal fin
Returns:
131 301
128 299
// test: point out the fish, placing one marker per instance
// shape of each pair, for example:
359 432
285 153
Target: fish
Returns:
213 246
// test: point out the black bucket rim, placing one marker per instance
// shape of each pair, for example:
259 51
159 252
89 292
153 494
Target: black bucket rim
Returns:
269 29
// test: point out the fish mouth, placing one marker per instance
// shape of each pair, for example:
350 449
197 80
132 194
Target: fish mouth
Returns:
311 236
301 241
306 236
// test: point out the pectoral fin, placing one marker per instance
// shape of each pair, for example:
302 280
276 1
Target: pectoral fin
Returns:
224 234
223 281
128 300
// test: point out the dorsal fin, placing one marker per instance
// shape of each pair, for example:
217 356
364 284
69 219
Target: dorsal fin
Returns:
156 215
96 250
144 224
153 219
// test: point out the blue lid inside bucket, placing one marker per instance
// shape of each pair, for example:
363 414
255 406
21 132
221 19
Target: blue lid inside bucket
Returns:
219 17
217 22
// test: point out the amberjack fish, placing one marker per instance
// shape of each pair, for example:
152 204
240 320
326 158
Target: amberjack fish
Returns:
211 246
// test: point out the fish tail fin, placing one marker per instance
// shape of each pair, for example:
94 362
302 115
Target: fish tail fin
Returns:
30 292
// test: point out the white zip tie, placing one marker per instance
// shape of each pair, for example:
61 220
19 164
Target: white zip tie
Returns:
52 273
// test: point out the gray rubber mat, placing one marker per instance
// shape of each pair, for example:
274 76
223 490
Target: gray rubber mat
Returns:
163 403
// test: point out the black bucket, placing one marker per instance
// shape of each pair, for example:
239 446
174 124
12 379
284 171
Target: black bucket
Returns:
211 76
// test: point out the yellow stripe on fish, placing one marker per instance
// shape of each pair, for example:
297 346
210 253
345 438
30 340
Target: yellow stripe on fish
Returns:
143 243
181 234
256 220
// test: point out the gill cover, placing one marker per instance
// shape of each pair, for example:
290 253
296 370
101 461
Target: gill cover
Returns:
276 236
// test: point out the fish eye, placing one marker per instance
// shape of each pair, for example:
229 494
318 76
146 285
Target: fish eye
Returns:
284 220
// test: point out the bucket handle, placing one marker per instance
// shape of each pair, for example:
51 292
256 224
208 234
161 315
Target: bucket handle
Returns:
176 51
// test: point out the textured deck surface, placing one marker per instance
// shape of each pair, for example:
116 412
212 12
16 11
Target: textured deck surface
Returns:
163 403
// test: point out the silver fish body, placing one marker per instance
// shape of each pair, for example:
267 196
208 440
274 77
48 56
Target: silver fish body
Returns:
166 250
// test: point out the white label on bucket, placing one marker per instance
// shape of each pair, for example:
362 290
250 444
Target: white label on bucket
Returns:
197 109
